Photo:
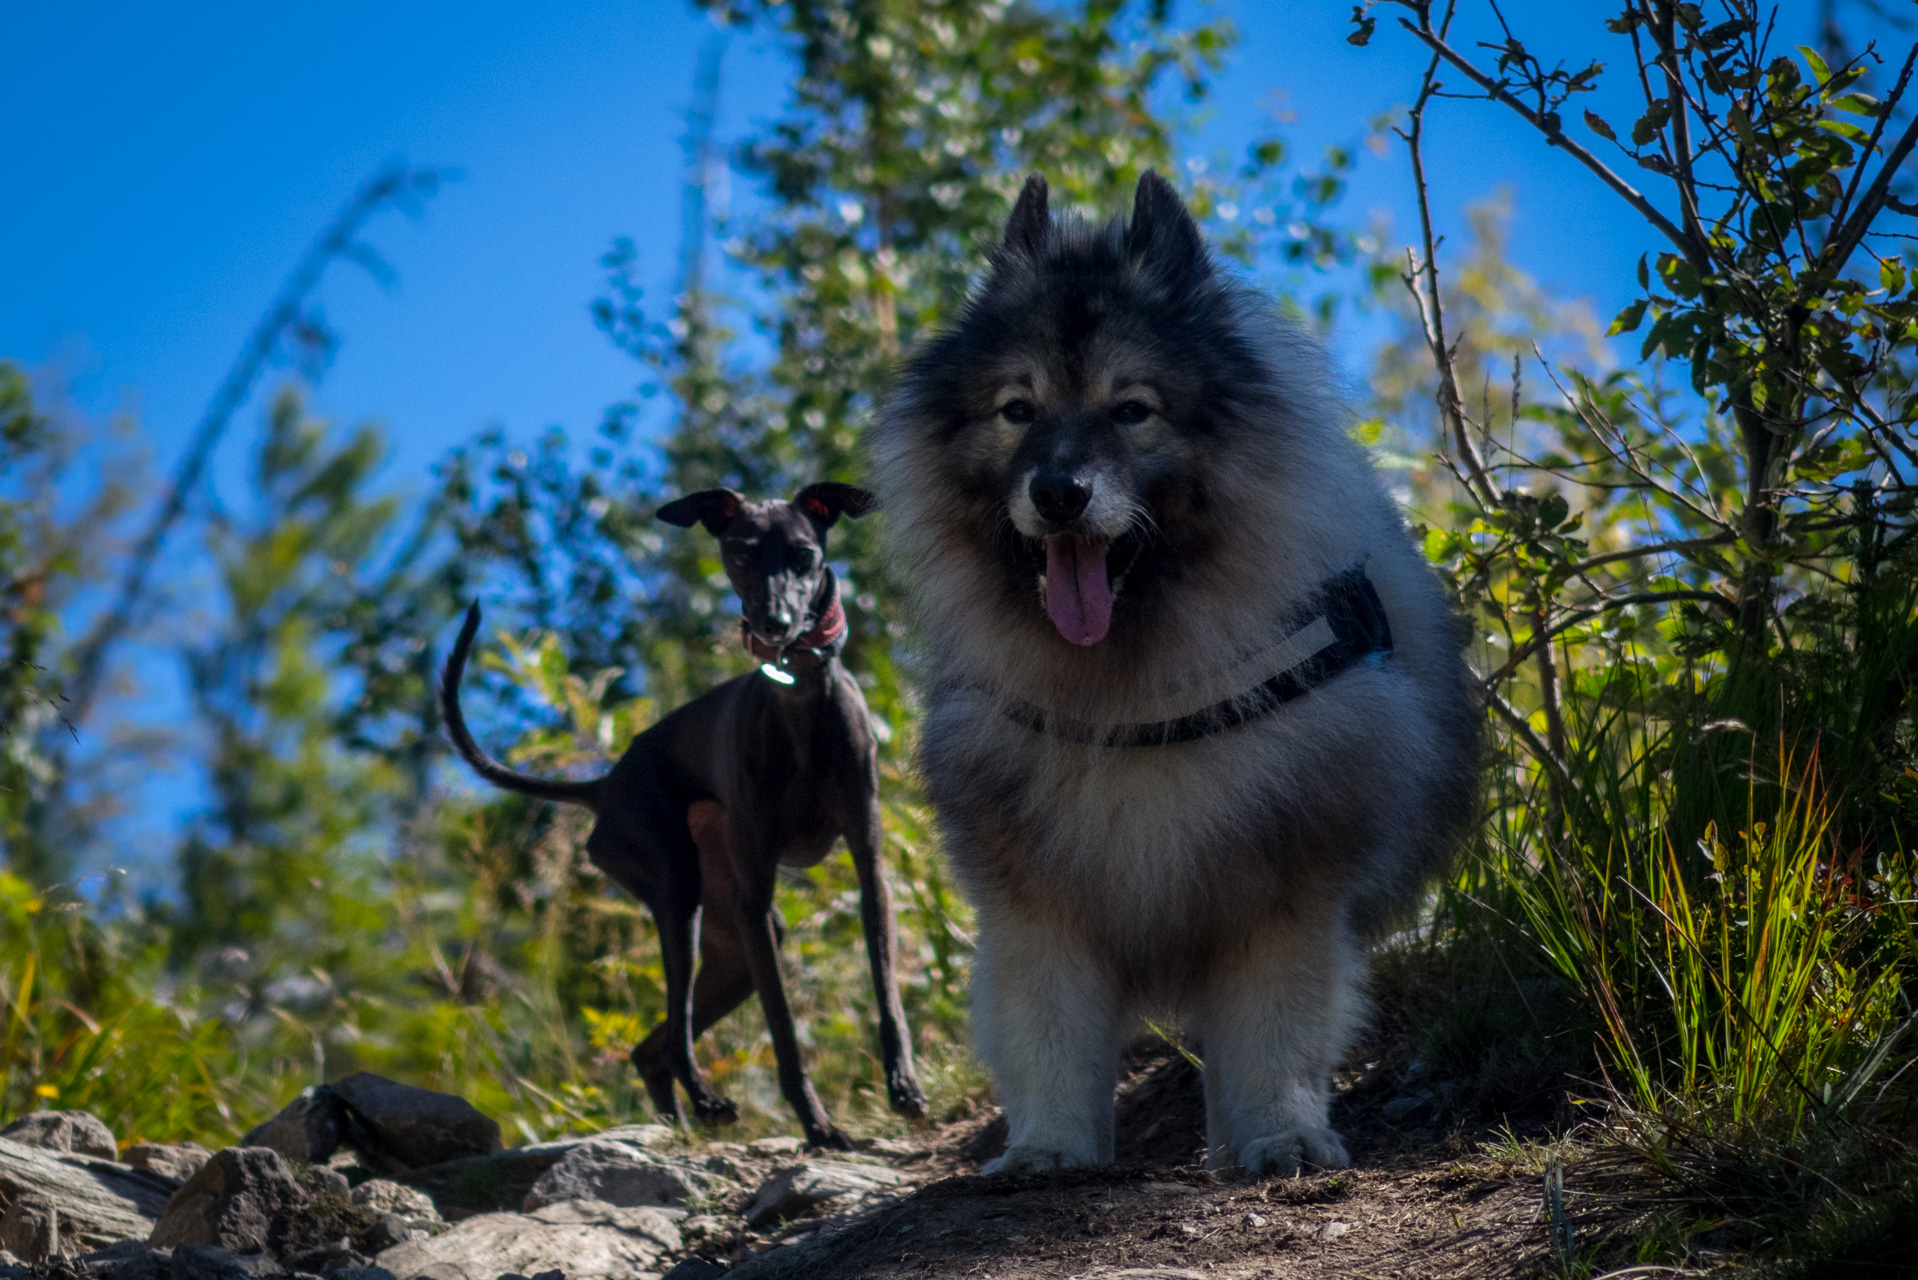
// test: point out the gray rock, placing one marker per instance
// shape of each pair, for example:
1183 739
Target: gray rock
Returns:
411 1128
1401 1107
97 1202
585 1239
155 1264
774 1147
210 1262
617 1174
306 1131
79 1133
319 1180
326 1258
411 1206
388 1230
363 1273
695 1269
176 1160
638 1135
114 1256
31 1228
798 1190
487 1184
231 1202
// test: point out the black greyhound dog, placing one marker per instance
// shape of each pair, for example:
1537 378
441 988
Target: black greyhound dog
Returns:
764 771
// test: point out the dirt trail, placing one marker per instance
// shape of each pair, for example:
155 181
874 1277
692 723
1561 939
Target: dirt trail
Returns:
1417 1204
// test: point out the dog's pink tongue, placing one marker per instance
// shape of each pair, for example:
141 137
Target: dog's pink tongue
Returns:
1078 597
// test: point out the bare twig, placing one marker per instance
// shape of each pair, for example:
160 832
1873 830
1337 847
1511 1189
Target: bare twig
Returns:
1586 613
1846 239
1429 300
1435 41
391 185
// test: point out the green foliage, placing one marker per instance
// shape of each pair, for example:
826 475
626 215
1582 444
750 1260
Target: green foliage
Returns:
339 908
82 1025
48 549
1695 608
1693 586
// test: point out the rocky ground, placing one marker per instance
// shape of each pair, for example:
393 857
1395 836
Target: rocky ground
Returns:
366 1179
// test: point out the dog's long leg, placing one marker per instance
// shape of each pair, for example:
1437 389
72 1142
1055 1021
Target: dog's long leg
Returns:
863 838
650 854
1273 1023
678 920
760 930
1047 1020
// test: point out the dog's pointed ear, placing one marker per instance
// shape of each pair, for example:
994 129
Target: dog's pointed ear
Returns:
714 508
1026 228
825 502
1163 238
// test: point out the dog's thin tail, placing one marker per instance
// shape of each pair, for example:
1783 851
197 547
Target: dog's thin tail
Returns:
586 793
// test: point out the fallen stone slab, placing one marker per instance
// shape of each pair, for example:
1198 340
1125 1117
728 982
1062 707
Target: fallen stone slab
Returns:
176 1160
96 1202
638 1135
68 1132
618 1174
307 1130
486 1184
796 1191
585 1239
408 1128
210 1262
137 1262
231 1202
695 1269
411 1205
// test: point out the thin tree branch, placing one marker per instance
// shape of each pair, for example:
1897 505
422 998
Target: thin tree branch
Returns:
1430 302
1677 545
1556 137
1555 768
1586 614
387 186
1840 250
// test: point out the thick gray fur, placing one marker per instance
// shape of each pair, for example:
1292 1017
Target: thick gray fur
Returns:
1233 881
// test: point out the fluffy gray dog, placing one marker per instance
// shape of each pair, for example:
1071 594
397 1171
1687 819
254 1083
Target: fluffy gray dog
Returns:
1197 714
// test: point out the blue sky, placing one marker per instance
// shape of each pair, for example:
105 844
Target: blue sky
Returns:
167 164
171 162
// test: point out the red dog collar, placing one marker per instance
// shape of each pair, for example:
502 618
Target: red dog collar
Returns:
820 643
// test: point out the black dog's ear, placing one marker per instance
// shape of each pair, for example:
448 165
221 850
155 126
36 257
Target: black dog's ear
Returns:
1026 228
714 508
1163 238
825 502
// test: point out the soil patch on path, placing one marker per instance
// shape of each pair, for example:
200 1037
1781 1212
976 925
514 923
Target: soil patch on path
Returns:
1418 1203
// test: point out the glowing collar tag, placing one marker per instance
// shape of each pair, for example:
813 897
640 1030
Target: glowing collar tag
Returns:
774 674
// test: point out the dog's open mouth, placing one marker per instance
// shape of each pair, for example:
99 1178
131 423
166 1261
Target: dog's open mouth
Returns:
1082 575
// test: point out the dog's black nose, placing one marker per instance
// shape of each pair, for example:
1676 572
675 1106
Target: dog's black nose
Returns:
1059 497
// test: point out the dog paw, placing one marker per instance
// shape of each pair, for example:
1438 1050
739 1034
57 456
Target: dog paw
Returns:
1286 1152
716 1111
828 1139
906 1097
1030 1160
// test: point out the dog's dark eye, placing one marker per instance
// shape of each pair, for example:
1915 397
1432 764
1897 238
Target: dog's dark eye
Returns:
1132 411
1018 412
805 558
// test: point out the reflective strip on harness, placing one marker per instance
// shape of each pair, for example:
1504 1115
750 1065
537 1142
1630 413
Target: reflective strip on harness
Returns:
1343 626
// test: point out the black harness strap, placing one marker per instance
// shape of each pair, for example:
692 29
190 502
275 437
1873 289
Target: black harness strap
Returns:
1349 605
